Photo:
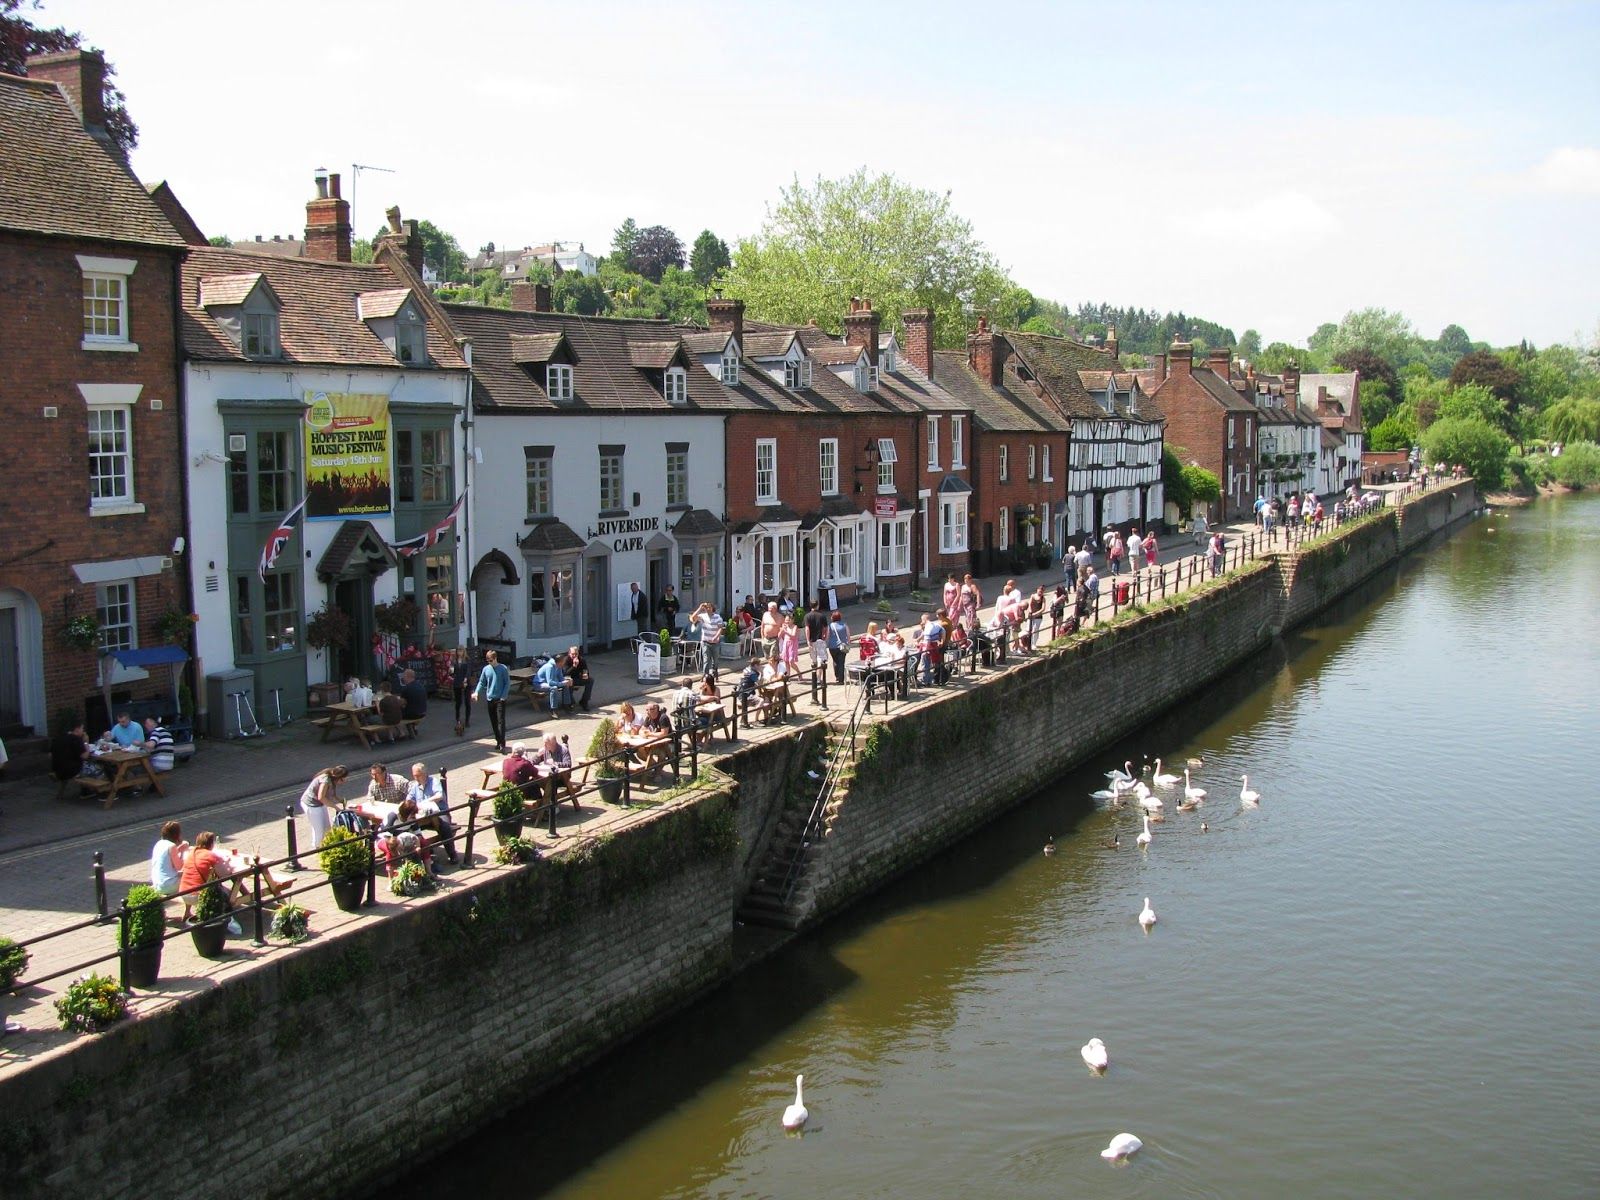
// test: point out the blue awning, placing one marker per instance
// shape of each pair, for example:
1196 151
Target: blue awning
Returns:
151 656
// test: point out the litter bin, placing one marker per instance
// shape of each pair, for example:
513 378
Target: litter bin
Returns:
1120 592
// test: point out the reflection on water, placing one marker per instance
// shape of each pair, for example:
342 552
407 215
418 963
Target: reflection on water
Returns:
1379 983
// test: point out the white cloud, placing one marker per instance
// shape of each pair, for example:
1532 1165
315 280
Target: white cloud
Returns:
1566 170
1278 218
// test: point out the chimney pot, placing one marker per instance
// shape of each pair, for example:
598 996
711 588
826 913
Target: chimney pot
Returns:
861 326
333 185
321 178
727 316
81 76
328 222
919 339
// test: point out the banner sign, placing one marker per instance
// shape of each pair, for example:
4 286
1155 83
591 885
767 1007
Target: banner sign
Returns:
886 506
347 456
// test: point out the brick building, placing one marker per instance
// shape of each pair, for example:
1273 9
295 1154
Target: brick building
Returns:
93 506
1208 422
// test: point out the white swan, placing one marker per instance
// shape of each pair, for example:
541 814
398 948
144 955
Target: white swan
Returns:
1144 839
1147 915
1151 801
1190 792
796 1115
1107 794
1123 776
1248 798
1094 1053
1121 1146
1164 780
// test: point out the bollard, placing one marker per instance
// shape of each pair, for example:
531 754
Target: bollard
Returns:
473 803
627 784
255 882
122 944
372 868
290 837
550 803
100 883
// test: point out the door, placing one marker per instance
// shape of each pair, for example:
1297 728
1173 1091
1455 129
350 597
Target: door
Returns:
596 589
657 578
354 596
10 669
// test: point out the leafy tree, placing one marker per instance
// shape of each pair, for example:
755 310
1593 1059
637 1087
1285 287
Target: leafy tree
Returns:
1375 331
1487 368
1377 402
654 250
220 239
1278 355
622 241
440 250
1372 367
1184 485
1453 341
1473 401
1322 339
1472 442
709 258
1574 419
1202 484
1249 344
20 39
577 293
1397 431
866 235
1578 465
1040 324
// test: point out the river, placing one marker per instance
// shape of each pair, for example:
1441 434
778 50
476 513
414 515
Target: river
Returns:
1380 982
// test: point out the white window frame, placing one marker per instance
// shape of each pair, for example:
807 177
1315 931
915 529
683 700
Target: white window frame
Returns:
766 475
792 373
837 549
611 483
677 478
886 450
888 358
100 397
558 381
958 447
1005 463
410 341
1045 465
1003 541
777 550
886 485
118 271
952 524
127 597
894 545
1231 421
828 466
933 443
729 371
675 385
264 332
1246 432
1033 461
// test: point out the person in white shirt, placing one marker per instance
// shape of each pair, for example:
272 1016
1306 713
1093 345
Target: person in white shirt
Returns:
1083 558
428 792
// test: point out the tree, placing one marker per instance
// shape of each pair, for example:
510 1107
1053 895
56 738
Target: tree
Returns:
1203 485
1249 344
622 241
1453 341
20 39
1574 419
1489 369
1375 331
1473 401
220 239
1397 431
1372 366
867 235
577 293
709 258
1377 401
653 251
1042 325
1184 485
1323 337
442 252
1278 355
1472 442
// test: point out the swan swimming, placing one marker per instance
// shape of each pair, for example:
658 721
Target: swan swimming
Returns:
1190 791
1144 839
1094 1053
1125 775
1164 780
1147 915
1049 846
1250 799
1121 1146
796 1115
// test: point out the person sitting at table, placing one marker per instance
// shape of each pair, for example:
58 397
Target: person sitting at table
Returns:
427 791
158 739
71 756
125 733
388 711
413 695
706 695
773 669
628 718
400 839
749 680
553 680
576 667
385 788
518 768
166 859
654 756
556 756
205 866
868 642
749 610
320 800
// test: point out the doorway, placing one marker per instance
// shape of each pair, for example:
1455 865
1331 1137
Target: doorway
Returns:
21 662
658 573
354 597
10 669
596 587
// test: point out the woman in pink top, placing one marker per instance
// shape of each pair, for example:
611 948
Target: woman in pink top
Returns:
970 599
952 595
789 642
1150 548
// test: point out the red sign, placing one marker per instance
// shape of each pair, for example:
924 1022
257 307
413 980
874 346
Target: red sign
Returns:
886 506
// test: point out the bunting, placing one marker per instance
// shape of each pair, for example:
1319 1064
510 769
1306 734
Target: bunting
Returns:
424 541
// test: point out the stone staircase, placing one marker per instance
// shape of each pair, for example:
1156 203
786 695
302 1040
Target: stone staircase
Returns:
29 755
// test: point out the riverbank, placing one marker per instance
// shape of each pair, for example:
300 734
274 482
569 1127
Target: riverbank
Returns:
491 992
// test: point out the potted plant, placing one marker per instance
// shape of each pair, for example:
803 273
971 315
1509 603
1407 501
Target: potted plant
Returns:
142 947
13 962
516 852
210 916
82 632
412 879
603 747
91 1004
328 628
346 859
291 923
398 617
729 646
1043 553
510 806
175 625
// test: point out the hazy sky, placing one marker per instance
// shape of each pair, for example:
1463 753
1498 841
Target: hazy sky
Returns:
1261 165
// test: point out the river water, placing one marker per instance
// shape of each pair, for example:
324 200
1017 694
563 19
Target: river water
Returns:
1381 982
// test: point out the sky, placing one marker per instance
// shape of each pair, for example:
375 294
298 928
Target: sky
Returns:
1266 166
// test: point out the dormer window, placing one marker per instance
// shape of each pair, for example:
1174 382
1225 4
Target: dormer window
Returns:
797 373
866 378
410 339
259 334
888 358
730 367
675 386
558 381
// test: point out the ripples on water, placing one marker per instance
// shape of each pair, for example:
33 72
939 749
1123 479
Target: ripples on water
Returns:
1381 982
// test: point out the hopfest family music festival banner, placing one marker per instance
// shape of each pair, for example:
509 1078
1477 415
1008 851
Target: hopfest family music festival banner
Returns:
347 456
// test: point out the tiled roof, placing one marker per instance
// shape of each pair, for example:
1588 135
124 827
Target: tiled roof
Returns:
653 355
222 290
1069 370
318 321
56 179
830 353
1011 407
552 537
708 342
605 376
1222 391
381 305
768 343
356 541
1343 389
698 522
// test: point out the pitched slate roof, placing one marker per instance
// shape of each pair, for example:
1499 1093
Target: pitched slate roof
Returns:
552 537
707 341
656 356
218 291
535 347
58 180
1222 391
830 353
1011 407
768 343
1343 389
698 522
319 320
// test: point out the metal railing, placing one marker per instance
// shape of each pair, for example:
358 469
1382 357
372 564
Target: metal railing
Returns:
843 749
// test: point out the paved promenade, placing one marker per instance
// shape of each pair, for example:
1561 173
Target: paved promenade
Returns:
240 789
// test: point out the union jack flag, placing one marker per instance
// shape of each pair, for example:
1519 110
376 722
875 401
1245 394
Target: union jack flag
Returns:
423 541
279 538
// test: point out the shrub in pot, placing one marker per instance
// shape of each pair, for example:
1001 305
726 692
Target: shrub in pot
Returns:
516 852
13 962
603 746
729 646
346 859
144 929
210 913
510 807
291 923
412 879
91 1004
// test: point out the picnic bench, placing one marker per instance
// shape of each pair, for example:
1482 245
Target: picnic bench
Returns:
124 767
345 720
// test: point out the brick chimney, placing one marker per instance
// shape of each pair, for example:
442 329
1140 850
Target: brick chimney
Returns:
1161 369
987 360
1113 347
81 75
328 222
1220 361
1180 359
522 296
861 326
919 339
1291 382
727 316
542 298
404 238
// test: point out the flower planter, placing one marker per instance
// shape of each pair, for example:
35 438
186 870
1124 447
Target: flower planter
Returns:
210 937
610 788
507 829
349 891
728 650
144 965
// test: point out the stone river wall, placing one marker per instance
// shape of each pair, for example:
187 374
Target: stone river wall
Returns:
299 1076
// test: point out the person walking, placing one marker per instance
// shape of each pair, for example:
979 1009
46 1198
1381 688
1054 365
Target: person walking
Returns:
816 629
1214 554
971 599
1114 552
1151 558
839 643
460 688
494 684
1035 610
952 595
1135 552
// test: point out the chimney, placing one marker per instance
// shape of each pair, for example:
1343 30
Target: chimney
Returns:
1221 362
522 297
328 222
986 359
1180 359
403 238
919 339
861 327
1291 382
1161 369
727 316
541 298
1113 347
81 75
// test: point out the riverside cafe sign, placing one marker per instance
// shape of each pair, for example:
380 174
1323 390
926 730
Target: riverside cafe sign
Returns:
625 525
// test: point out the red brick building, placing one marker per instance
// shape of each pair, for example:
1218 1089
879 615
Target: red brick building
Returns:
1208 422
93 506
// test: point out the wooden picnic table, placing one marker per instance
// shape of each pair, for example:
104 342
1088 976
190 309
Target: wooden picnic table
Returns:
120 765
345 719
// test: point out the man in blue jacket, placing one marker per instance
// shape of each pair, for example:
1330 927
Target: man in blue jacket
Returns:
554 681
493 685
